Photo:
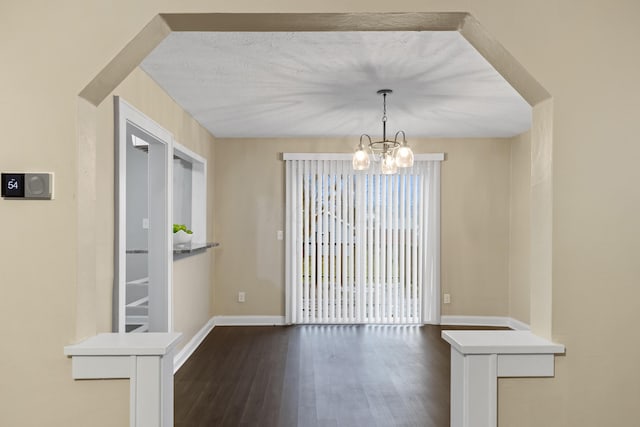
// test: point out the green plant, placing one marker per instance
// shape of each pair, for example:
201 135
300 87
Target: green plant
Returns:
178 227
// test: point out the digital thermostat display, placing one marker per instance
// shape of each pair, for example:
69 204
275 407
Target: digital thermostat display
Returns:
26 185
12 185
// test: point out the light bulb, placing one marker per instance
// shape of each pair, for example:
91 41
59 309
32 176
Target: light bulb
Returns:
360 159
404 157
388 166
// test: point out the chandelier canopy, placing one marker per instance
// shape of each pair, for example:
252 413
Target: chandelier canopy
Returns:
393 154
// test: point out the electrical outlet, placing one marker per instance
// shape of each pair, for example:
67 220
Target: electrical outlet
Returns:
241 297
446 298
145 223
280 235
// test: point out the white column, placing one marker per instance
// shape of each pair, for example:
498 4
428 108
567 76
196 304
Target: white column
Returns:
473 390
145 359
478 358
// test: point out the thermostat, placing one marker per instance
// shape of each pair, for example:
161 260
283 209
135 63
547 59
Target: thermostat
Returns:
26 186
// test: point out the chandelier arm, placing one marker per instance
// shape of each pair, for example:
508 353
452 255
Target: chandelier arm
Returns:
404 137
362 136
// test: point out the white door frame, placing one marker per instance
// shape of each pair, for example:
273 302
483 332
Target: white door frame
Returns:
160 203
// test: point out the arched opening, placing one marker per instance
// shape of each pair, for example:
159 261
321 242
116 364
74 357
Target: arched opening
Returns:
159 27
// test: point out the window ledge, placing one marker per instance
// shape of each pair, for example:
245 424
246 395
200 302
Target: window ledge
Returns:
181 249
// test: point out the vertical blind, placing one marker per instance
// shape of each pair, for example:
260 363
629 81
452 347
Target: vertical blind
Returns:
360 248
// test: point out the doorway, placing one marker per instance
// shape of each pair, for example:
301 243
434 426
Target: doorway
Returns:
143 258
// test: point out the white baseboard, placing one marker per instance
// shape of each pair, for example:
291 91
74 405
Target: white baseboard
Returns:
249 320
484 321
192 345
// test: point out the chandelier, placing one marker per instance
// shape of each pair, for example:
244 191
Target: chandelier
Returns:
393 154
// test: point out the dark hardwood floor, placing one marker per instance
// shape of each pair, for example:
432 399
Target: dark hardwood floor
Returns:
311 376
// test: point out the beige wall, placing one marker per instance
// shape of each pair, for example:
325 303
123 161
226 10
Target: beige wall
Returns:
582 52
191 275
474 224
519 242
250 189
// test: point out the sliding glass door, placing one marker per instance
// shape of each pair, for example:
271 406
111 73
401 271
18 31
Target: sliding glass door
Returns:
356 243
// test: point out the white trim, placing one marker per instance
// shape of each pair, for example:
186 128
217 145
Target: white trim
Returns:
185 353
187 154
249 320
517 324
484 321
349 156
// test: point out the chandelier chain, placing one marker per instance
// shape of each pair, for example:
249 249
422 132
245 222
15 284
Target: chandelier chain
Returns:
384 107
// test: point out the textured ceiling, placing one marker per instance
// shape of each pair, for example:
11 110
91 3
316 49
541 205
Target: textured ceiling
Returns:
324 84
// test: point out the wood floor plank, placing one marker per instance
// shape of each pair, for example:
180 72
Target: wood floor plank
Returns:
308 376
